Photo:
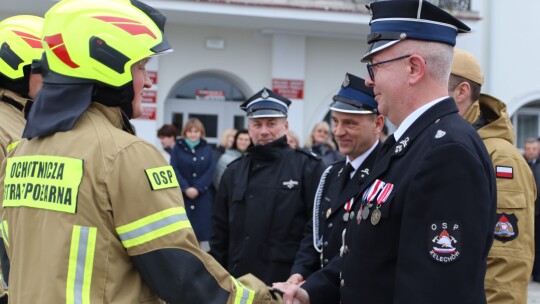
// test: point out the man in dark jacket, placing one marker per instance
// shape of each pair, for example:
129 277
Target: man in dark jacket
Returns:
428 206
356 127
532 150
265 197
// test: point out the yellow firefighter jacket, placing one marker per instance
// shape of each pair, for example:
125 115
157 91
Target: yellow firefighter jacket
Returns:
511 257
78 204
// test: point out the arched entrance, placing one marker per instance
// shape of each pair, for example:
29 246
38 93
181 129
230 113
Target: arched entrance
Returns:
525 118
213 97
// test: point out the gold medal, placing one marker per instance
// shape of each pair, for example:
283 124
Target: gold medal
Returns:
375 216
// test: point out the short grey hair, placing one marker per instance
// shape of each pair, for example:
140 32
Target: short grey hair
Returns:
438 57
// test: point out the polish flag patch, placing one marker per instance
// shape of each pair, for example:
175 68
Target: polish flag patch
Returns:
504 172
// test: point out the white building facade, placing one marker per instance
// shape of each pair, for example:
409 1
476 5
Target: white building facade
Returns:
225 51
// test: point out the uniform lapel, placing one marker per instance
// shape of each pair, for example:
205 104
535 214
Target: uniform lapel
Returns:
431 116
354 185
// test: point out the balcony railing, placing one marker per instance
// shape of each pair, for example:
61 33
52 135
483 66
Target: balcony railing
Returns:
454 6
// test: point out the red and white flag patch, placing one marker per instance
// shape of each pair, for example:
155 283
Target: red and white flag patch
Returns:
504 172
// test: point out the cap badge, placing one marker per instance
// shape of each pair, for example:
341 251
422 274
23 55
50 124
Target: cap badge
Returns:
346 81
265 94
402 36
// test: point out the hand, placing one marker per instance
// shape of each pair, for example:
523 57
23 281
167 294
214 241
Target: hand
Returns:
292 294
296 279
191 192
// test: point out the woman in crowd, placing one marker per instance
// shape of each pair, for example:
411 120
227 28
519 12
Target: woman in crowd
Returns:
321 144
194 165
241 143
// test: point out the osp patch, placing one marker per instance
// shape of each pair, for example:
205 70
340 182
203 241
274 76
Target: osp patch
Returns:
444 243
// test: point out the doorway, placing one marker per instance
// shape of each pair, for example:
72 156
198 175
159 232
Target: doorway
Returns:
212 97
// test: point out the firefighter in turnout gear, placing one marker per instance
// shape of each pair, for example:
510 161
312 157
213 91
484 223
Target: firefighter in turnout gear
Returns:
96 211
510 260
20 43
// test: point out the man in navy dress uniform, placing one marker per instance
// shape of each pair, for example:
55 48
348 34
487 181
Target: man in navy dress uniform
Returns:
428 208
356 127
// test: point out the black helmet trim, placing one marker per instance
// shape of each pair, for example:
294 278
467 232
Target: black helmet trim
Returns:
7 54
108 56
159 19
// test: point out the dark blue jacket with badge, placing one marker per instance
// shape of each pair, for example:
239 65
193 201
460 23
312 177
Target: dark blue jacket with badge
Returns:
195 168
436 227
334 212
264 201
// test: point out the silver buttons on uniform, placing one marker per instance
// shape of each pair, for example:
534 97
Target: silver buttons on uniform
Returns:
194 159
192 207
194 174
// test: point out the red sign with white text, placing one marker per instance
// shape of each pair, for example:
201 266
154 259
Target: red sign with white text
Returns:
153 76
149 96
148 113
210 95
288 88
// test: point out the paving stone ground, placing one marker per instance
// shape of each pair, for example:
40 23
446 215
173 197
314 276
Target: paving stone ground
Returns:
534 293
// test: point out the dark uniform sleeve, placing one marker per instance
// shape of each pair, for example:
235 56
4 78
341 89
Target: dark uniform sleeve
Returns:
323 285
307 258
452 194
219 240
312 174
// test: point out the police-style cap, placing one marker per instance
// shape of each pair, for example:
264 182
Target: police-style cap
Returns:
395 21
266 103
354 97
465 65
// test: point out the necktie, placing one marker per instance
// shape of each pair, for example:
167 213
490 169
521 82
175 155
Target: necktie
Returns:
346 175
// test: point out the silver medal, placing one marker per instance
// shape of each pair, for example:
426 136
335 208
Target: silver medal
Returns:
375 216
345 216
352 215
365 212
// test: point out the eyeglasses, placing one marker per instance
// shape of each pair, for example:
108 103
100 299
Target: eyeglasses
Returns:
370 66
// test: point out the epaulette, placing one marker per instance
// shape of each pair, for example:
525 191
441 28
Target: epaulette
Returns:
309 153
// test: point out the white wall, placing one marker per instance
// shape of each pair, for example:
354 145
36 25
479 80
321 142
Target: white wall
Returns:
514 48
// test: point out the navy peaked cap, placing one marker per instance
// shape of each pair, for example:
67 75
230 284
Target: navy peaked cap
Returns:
397 20
354 97
266 103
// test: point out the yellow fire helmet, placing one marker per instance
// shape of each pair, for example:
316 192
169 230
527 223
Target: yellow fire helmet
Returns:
20 43
97 41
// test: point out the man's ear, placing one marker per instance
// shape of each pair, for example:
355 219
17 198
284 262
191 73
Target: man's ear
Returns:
417 68
463 92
